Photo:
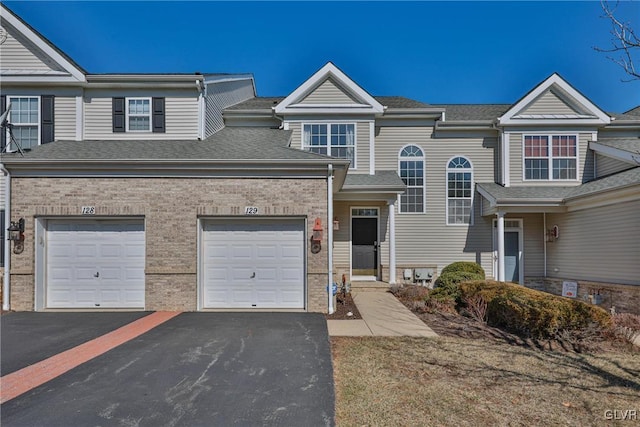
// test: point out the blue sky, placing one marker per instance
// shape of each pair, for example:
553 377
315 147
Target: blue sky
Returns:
435 52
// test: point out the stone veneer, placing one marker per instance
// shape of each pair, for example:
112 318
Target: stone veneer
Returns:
170 208
625 298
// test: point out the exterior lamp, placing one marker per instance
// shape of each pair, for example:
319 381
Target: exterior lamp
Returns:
16 230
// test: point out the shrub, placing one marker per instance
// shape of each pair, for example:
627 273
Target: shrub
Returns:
448 283
464 266
533 313
626 326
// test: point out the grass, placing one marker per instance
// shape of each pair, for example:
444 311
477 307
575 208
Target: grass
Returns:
462 382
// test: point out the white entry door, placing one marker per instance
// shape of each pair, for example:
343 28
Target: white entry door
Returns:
95 263
256 263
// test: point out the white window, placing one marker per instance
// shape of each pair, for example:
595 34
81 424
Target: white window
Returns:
139 114
25 118
411 168
556 162
331 139
459 191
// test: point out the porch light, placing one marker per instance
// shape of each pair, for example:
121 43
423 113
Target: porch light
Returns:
16 230
336 224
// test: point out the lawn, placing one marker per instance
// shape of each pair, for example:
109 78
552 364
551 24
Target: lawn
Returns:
470 382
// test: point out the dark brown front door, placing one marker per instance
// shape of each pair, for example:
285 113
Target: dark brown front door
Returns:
364 246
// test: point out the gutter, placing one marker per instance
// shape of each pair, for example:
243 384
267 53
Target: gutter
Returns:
6 284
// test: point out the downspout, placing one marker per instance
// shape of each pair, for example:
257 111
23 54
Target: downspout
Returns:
6 284
330 236
544 236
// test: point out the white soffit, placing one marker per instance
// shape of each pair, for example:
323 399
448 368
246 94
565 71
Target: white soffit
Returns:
291 104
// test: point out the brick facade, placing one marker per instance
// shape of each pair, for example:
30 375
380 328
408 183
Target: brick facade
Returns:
170 208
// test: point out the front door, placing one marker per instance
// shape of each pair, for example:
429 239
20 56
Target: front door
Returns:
364 243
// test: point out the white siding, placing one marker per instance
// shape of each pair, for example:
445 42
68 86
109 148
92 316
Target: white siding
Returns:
181 116
548 103
516 161
607 165
15 55
2 193
221 95
65 118
425 239
599 244
328 93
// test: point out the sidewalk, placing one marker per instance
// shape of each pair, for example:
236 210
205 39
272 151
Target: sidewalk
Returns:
382 315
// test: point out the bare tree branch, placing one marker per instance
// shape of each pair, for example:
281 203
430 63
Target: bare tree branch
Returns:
625 43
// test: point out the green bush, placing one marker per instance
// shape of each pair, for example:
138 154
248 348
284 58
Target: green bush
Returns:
464 266
448 282
533 313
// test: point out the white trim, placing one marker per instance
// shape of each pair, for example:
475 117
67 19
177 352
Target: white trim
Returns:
392 242
564 87
10 120
615 153
372 150
369 104
201 115
377 217
424 180
446 193
550 156
495 239
506 161
329 227
354 165
45 47
126 113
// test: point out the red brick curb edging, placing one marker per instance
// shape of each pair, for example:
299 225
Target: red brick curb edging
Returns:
16 383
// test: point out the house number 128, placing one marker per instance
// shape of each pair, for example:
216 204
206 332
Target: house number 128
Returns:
88 210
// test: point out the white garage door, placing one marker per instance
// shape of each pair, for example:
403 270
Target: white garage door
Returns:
253 264
95 263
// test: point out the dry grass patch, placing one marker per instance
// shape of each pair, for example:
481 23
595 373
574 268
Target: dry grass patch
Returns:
454 381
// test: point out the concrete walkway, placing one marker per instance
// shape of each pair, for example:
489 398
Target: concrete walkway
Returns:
382 315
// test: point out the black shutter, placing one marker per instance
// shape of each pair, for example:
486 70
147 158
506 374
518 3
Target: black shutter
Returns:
47 122
118 115
158 115
3 132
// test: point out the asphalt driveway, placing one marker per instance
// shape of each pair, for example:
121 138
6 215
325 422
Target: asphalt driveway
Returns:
196 369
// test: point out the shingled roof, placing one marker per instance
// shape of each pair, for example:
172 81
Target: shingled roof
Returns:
230 143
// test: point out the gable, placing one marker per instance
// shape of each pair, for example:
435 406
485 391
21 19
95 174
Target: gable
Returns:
550 103
554 101
27 56
328 93
19 56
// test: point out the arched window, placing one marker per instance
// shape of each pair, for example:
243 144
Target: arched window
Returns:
411 168
459 191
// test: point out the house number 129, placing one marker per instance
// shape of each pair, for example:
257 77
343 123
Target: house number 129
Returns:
88 210
250 210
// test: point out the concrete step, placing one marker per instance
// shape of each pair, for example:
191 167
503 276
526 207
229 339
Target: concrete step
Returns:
369 286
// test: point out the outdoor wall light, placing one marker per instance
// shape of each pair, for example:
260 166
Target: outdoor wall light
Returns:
16 234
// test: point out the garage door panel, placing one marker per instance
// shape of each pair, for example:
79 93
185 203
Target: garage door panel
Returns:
95 263
273 250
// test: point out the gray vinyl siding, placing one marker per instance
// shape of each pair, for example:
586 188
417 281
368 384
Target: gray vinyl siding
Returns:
65 118
516 161
221 95
548 103
181 116
607 165
328 93
362 143
15 55
533 246
426 239
600 244
2 193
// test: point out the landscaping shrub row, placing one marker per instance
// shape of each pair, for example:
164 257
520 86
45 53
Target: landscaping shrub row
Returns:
532 313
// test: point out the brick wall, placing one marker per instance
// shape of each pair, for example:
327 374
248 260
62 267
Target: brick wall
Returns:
171 208
625 298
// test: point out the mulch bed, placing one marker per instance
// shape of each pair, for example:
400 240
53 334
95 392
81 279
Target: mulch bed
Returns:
344 306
